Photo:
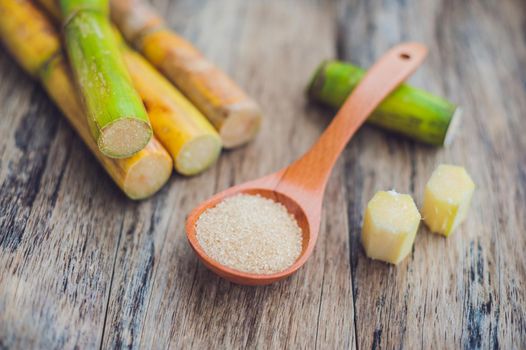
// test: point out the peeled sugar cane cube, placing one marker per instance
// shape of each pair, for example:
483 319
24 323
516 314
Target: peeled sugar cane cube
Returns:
446 198
389 228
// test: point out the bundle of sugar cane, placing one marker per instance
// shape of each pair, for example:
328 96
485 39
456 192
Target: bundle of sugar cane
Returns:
227 107
179 126
33 42
409 111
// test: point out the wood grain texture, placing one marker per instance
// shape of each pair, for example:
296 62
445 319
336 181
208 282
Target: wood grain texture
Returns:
466 291
84 267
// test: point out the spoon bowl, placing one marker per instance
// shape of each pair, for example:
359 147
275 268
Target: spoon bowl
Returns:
301 185
262 188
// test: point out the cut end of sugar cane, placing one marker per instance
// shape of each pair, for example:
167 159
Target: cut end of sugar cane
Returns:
447 197
124 137
453 126
408 111
147 175
390 225
241 124
198 154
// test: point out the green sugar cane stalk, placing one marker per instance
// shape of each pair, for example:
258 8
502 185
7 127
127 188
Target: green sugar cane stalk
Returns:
116 115
409 111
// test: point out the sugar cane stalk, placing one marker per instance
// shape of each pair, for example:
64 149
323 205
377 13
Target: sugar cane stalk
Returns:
408 111
227 107
33 42
116 115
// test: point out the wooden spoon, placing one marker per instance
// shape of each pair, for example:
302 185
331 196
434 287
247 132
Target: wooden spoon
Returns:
300 186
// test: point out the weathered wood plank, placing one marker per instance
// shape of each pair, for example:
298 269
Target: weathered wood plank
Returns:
188 305
86 267
449 293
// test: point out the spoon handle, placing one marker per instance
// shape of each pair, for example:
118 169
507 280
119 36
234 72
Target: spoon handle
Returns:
312 170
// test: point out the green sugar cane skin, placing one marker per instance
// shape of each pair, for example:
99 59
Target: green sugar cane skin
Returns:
408 111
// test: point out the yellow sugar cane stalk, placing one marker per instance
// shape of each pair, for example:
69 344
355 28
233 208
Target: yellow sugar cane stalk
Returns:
33 42
27 34
181 128
177 124
227 107
116 115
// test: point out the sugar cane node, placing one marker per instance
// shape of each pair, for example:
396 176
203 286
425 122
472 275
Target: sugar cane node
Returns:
28 35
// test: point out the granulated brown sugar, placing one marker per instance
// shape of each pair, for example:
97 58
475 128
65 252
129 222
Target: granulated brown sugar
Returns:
250 233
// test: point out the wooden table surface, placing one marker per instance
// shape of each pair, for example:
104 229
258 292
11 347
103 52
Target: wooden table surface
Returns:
82 266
